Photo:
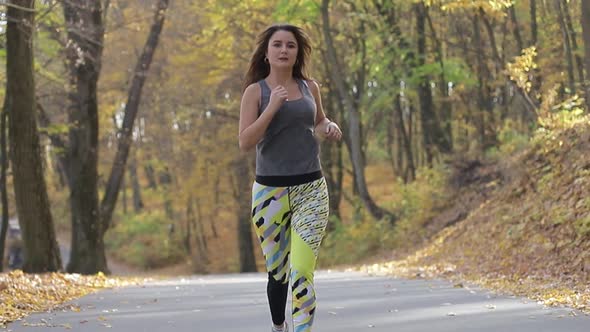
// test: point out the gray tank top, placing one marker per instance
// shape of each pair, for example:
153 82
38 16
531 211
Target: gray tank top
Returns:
289 146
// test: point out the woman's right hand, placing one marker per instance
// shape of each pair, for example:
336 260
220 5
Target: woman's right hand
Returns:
278 96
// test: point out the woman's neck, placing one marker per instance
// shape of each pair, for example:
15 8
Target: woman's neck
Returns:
280 76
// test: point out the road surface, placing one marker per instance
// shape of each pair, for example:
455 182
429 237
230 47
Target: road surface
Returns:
348 302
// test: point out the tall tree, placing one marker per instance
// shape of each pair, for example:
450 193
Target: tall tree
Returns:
135 187
3 190
586 37
85 29
399 115
242 187
566 45
433 135
534 28
573 40
32 202
446 141
131 108
515 27
354 125
196 241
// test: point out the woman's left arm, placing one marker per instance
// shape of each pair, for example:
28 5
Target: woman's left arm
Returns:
323 126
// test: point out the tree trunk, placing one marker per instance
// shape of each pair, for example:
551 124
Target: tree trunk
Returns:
427 114
196 243
124 194
515 28
131 107
32 202
188 227
84 51
166 183
586 36
574 43
200 232
332 162
433 135
150 174
406 143
135 187
481 99
212 222
531 103
404 137
58 143
392 139
533 11
354 125
244 214
567 47
331 157
446 105
3 190
537 78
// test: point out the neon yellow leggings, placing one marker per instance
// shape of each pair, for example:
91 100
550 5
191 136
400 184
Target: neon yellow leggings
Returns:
290 223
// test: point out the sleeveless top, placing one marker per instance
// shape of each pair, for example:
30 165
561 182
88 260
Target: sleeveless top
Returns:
288 151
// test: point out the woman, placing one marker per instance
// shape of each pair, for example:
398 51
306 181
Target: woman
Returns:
281 114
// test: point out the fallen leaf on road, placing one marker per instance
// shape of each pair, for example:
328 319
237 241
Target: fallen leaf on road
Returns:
22 293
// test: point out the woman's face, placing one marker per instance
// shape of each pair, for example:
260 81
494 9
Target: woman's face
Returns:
282 49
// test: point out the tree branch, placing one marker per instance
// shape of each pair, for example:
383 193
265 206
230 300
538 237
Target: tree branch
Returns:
30 10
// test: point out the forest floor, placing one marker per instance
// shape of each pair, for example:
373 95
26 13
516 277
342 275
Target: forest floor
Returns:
520 225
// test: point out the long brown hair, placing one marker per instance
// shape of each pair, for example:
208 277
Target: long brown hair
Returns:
259 68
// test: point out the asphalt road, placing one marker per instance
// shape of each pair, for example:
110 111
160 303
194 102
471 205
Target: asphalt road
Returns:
347 302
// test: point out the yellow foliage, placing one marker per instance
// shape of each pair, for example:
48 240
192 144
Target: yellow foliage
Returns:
520 70
564 115
21 294
489 6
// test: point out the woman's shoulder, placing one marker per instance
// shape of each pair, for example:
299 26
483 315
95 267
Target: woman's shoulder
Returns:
252 90
313 85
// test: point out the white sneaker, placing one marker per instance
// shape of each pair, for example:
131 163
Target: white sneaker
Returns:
284 329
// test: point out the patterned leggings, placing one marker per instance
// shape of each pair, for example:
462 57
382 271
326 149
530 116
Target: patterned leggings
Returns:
290 223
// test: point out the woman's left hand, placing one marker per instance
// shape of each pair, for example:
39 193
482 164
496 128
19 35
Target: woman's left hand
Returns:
333 132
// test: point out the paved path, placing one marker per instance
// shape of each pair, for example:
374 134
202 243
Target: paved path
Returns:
348 302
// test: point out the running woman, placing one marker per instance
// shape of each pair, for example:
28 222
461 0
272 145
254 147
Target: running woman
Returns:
281 115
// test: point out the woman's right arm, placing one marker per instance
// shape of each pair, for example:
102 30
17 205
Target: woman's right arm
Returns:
252 126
